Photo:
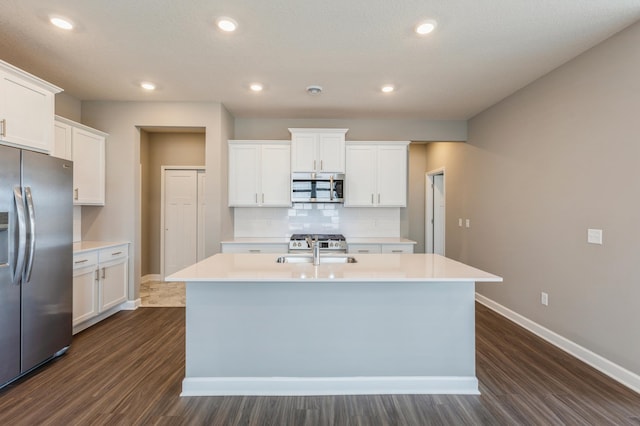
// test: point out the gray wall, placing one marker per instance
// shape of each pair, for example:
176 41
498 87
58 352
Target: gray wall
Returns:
162 149
542 166
120 218
67 106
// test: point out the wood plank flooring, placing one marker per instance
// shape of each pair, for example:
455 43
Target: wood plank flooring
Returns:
128 369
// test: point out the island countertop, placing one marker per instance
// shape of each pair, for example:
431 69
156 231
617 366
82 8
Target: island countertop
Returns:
242 267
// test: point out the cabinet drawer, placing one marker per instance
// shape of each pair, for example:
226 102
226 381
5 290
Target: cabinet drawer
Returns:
364 248
113 253
254 248
397 248
82 260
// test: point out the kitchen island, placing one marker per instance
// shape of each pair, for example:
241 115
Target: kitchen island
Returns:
390 323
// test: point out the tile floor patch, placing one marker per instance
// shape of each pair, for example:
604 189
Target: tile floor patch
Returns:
162 294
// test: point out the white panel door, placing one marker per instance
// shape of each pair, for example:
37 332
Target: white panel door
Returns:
392 176
360 176
276 179
180 219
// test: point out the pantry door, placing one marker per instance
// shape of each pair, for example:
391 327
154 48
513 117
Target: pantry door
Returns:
179 219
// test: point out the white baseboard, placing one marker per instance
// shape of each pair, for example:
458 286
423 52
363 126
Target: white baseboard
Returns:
131 305
616 372
300 386
151 277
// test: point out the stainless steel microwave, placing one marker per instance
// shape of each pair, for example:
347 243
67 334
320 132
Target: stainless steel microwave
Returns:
317 187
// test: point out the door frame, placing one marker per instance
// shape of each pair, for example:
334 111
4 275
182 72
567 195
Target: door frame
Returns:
429 217
200 225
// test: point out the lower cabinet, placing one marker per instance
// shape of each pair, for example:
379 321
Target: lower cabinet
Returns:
380 248
100 282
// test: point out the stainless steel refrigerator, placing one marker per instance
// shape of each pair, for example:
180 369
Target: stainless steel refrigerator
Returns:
36 226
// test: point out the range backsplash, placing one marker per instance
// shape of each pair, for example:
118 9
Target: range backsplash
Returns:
352 222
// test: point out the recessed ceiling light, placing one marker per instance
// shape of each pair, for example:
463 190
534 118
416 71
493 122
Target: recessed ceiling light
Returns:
314 90
388 88
227 24
147 85
426 27
61 23
256 87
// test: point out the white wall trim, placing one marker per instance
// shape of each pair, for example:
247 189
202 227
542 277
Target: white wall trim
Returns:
131 305
616 372
151 277
283 386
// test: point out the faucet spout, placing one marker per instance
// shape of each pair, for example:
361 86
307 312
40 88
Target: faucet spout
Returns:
315 248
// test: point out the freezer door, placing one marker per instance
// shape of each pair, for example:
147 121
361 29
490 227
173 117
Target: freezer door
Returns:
9 292
47 283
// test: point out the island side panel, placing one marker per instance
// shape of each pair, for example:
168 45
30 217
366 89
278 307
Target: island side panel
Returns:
320 329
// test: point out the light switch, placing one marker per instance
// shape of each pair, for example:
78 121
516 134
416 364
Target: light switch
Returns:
468 223
460 222
594 236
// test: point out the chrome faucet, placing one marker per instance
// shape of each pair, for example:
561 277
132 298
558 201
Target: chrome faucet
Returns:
315 248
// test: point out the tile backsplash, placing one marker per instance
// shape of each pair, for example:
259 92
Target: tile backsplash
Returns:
353 222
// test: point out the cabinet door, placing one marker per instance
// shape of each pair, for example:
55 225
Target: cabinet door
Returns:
26 113
331 152
113 283
392 176
275 177
360 178
244 169
85 294
303 152
62 141
88 168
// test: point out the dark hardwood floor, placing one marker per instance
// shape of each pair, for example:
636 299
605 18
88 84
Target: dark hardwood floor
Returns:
128 369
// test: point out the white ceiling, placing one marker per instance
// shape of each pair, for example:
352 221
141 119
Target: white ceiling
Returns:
482 51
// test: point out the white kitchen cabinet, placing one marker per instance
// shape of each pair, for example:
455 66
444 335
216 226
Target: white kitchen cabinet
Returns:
100 283
26 109
88 155
397 248
376 174
232 247
259 173
318 150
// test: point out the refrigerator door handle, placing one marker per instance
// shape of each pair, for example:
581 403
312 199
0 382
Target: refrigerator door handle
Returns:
31 234
22 234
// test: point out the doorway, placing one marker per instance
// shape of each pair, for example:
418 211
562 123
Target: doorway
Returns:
435 212
182 217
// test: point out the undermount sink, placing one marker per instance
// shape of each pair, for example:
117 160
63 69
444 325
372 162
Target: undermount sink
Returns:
309 259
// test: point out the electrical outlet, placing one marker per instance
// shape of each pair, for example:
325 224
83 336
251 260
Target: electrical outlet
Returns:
544 298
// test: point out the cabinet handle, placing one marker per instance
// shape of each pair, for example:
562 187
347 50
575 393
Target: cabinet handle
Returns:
254 251
371 198
396 251
321 166
81 261
378 198
104 273
363 251
256 198
314 164
97 276
263 198
3 122
75 193
116 253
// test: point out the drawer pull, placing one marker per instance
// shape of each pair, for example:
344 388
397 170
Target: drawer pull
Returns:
363 251
254 251
396 251
116 253
81 261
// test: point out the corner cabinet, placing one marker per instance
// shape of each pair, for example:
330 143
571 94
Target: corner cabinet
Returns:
376 174
259 173
318 150
86 146
26 109
100 284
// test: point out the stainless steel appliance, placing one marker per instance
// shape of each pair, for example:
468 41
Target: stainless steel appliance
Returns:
328 243
36 220
317 187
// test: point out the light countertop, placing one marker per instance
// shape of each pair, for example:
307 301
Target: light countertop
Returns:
257 240
285 240
82 246
242 267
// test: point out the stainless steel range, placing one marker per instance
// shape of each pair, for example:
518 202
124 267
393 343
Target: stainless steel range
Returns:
328 243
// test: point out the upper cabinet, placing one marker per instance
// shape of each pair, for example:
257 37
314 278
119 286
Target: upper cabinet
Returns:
259 173
86 146
318 150
376 174
26 109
